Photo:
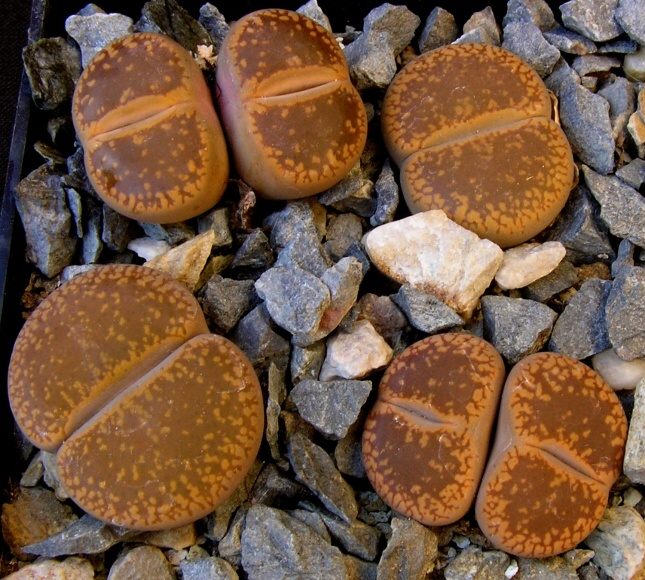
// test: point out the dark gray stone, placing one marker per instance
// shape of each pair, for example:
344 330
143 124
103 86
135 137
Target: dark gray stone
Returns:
295 219
313 11
620 46
562 278
214 23
76 208
356 537
373 510
594 63
342 231
355 193
349 452
622 208
225 301
315 469
426 312
230 546
92 243
370 60
484 19
273 487
581 329
306 361
278 546
626 312
212 568
382 312
537 12
306 252
569 41
387 197
313 519
475 564
117 230
397 21
633 174
255 252
621 97
585 120
440 29
94 32
169 18
255 336
173 234
516 327
561 76
591 18
41 203
356 251
331 406
76 175
216 220
624 257
53 66
629 15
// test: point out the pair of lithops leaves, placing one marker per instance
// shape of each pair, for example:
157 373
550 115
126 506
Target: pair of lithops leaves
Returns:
154 147
154 421
557 451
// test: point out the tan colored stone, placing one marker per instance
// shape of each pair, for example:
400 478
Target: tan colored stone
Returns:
527 263
69 569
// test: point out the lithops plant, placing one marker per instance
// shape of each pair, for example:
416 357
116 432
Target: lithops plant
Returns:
154 420
426 437
295 122
557 452
470 127
154 148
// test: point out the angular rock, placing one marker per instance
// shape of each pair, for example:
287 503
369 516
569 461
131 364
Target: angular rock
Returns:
625 313
255 336
436 255
147 248
255 252
276 545
356 537
633 174
34 472
174 538
622 102
212 568
370 61
72 271
629 15
305 251
474 563
68 569
313 11
426 312
315 469
624 257
636 129
622 208
581 329
397 21
569 41
619 46
348 453
564 276
561 76
92 243
218 221
306 362
484 19
230 546
342 231
585 120
384 315
593 63
516 327
186 261
174 234
141 562
478 35
117 230
356 353
439 29
387 197
410 553
53 66
331 407
225 301
295 219
273 487
527 41
277 393
313 519
537 12
214 23
619 543
634 462
555 568
354 193
527 263
34 515
591 18
95 31
76 208
619 374
41 204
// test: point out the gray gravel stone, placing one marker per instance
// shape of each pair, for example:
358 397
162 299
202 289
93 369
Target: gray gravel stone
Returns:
216 220
255 336
305 251
315 12
277 393
278 546
561 76
387 197
484 19
94 32
141 562
41 204
537 12
581 329
273 487
356 537
633 174
629 15
255 252
625 313
591 18
624 257
349 452
410 553
331 406
295 219
313 519
527 41
117 230
439 29
516 327
174 234
342 231
594 63
214 23
397 21
555 568
212 568
622 208
634 462
306 361
585 120
569 41
76 208
53 66
479 35
475 564
315 469
563 277
225 301
621 97
381 311
354 193
619 46
230 546
426 312
92 243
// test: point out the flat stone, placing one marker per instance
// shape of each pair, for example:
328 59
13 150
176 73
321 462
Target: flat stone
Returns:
484 19
94 32
634 462
141 562
527 263
580 231
619 543
255 252
585 120
117 230
315 469
68 569
569 41
349 452
315 12
53 66
629 15
34 472
274 487
625 313
426 312
174 234
356 537
527 41
436 255
356 353
581 329
439 29
342 231
634 65
225 301
411 551
591 18
332 407
537 12
622 208
621 97
277 545
619 374
313 519
474 563
555 568
563 277
211 568
256 337
561 76
34 515
516 327
48 224
147 248
74 202
594 63
355 192
186 261
633 174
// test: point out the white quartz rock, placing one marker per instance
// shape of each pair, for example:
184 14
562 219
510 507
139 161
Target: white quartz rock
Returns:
147 248
527 263
634 462
355 354
619 374
434 254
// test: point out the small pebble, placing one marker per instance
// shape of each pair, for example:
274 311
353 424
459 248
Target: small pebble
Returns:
484 19
633 174
593 63
147 248
387 197
255 252
569 41
591 18
313 11
210 568
440 29
426 312
214 23
527 263
563 277
342 231
632 497
527 41
537 12
256 337
141 562
356 537
622 102
634 65
474 563
619 374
